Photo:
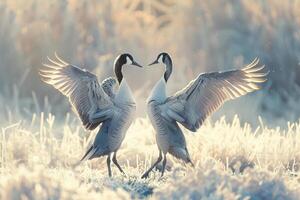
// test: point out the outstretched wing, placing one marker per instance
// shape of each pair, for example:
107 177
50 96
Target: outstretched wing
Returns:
205 94
80 86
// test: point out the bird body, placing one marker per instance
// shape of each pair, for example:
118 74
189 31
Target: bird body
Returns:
112 132
193 104
169 136
158 92
97 103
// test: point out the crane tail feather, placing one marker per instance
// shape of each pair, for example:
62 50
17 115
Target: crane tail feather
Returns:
88 154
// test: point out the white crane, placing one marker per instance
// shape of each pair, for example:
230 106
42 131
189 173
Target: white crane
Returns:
193 104
96 103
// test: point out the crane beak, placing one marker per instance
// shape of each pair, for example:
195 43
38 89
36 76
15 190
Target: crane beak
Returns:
155 62
136 64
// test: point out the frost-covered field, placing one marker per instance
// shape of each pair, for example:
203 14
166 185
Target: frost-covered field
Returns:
39 153
39 160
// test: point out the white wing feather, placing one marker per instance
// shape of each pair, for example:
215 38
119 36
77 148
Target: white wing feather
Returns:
80 86
205 94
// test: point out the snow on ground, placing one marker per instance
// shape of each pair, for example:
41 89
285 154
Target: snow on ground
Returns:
39 160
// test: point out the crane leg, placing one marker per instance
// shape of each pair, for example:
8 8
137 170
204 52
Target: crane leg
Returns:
108 165
114 159
146 174
164 164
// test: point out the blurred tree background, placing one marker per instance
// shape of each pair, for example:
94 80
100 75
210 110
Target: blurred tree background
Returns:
200 36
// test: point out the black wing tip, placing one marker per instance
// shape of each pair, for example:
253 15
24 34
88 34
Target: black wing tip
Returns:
85 156
193 129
